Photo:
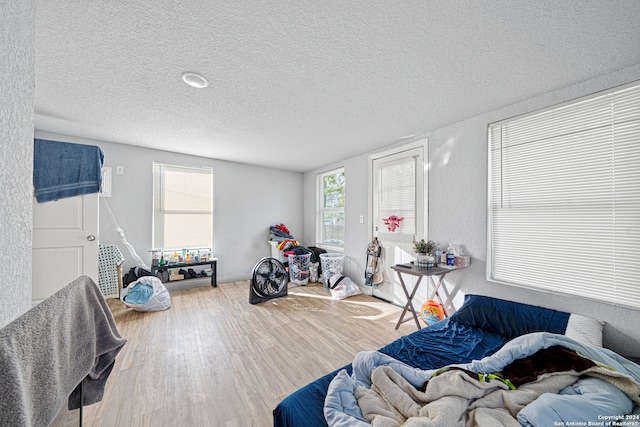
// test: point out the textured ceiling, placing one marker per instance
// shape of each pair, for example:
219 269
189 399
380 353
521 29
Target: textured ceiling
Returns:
300 84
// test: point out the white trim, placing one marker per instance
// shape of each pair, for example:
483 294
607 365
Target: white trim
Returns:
159 210
105 188
422 142
489 214
330 248
320 203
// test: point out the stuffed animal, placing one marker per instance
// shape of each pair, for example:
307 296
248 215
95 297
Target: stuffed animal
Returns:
393 222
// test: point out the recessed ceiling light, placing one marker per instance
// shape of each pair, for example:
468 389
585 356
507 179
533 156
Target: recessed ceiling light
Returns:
194 80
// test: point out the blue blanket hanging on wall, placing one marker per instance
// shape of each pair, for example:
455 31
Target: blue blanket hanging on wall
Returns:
63 169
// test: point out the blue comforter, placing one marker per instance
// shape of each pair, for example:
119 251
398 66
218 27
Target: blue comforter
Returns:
441 344
588 399
479 328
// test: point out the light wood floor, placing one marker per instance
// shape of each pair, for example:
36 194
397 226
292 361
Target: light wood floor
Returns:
213 359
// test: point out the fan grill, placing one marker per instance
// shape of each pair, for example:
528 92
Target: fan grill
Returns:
269 280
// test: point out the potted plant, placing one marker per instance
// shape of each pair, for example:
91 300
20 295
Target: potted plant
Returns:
424 247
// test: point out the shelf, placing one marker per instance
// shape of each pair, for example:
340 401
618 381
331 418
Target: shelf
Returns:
213 262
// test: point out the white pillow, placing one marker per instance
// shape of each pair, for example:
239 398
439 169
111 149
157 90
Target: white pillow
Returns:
585 330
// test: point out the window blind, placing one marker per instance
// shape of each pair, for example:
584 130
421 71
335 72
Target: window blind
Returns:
183 197
564 198
397 196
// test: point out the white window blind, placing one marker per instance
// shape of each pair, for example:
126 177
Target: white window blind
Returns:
397 196
564 198
183 198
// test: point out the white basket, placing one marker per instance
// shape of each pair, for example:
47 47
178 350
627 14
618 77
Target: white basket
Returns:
330 264
299 269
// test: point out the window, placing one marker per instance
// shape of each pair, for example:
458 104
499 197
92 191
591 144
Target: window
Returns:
330 226
182 207
398 191
564 198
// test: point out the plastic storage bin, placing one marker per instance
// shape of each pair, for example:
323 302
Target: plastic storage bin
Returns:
331 264
299 269
275 253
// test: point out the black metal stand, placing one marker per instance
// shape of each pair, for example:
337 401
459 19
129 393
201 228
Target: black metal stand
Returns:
213 262
81 402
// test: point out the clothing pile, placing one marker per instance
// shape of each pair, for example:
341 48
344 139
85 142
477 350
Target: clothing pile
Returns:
279 233
281 239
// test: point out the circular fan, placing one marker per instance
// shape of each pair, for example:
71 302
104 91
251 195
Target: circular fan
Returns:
268 280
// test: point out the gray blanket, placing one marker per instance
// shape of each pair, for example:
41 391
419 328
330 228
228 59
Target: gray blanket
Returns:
45 353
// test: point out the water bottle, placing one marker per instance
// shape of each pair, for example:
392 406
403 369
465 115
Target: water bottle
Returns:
450 256
438 255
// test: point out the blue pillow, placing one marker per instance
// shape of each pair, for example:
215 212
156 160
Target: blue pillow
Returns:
508 318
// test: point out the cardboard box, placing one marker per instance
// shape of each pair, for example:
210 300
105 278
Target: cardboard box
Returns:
174 275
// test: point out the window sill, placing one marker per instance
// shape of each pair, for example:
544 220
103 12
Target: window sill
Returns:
330 248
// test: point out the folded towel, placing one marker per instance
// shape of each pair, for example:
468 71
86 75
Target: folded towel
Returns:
63 169
70 337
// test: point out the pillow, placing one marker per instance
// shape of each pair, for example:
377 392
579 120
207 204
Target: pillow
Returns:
508 318
586 400
585 330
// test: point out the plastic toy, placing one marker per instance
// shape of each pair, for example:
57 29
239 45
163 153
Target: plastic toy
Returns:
432 312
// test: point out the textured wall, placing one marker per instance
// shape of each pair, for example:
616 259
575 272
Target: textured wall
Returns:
458 210
17 74
247 200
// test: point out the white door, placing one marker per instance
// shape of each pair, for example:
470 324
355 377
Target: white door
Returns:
398 183
65 243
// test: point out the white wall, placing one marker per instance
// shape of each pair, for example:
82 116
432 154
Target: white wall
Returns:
247 200
458 205
17 76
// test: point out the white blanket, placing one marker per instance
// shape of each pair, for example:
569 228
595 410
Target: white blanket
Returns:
453 399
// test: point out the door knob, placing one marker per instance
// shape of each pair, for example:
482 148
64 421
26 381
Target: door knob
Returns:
91 237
